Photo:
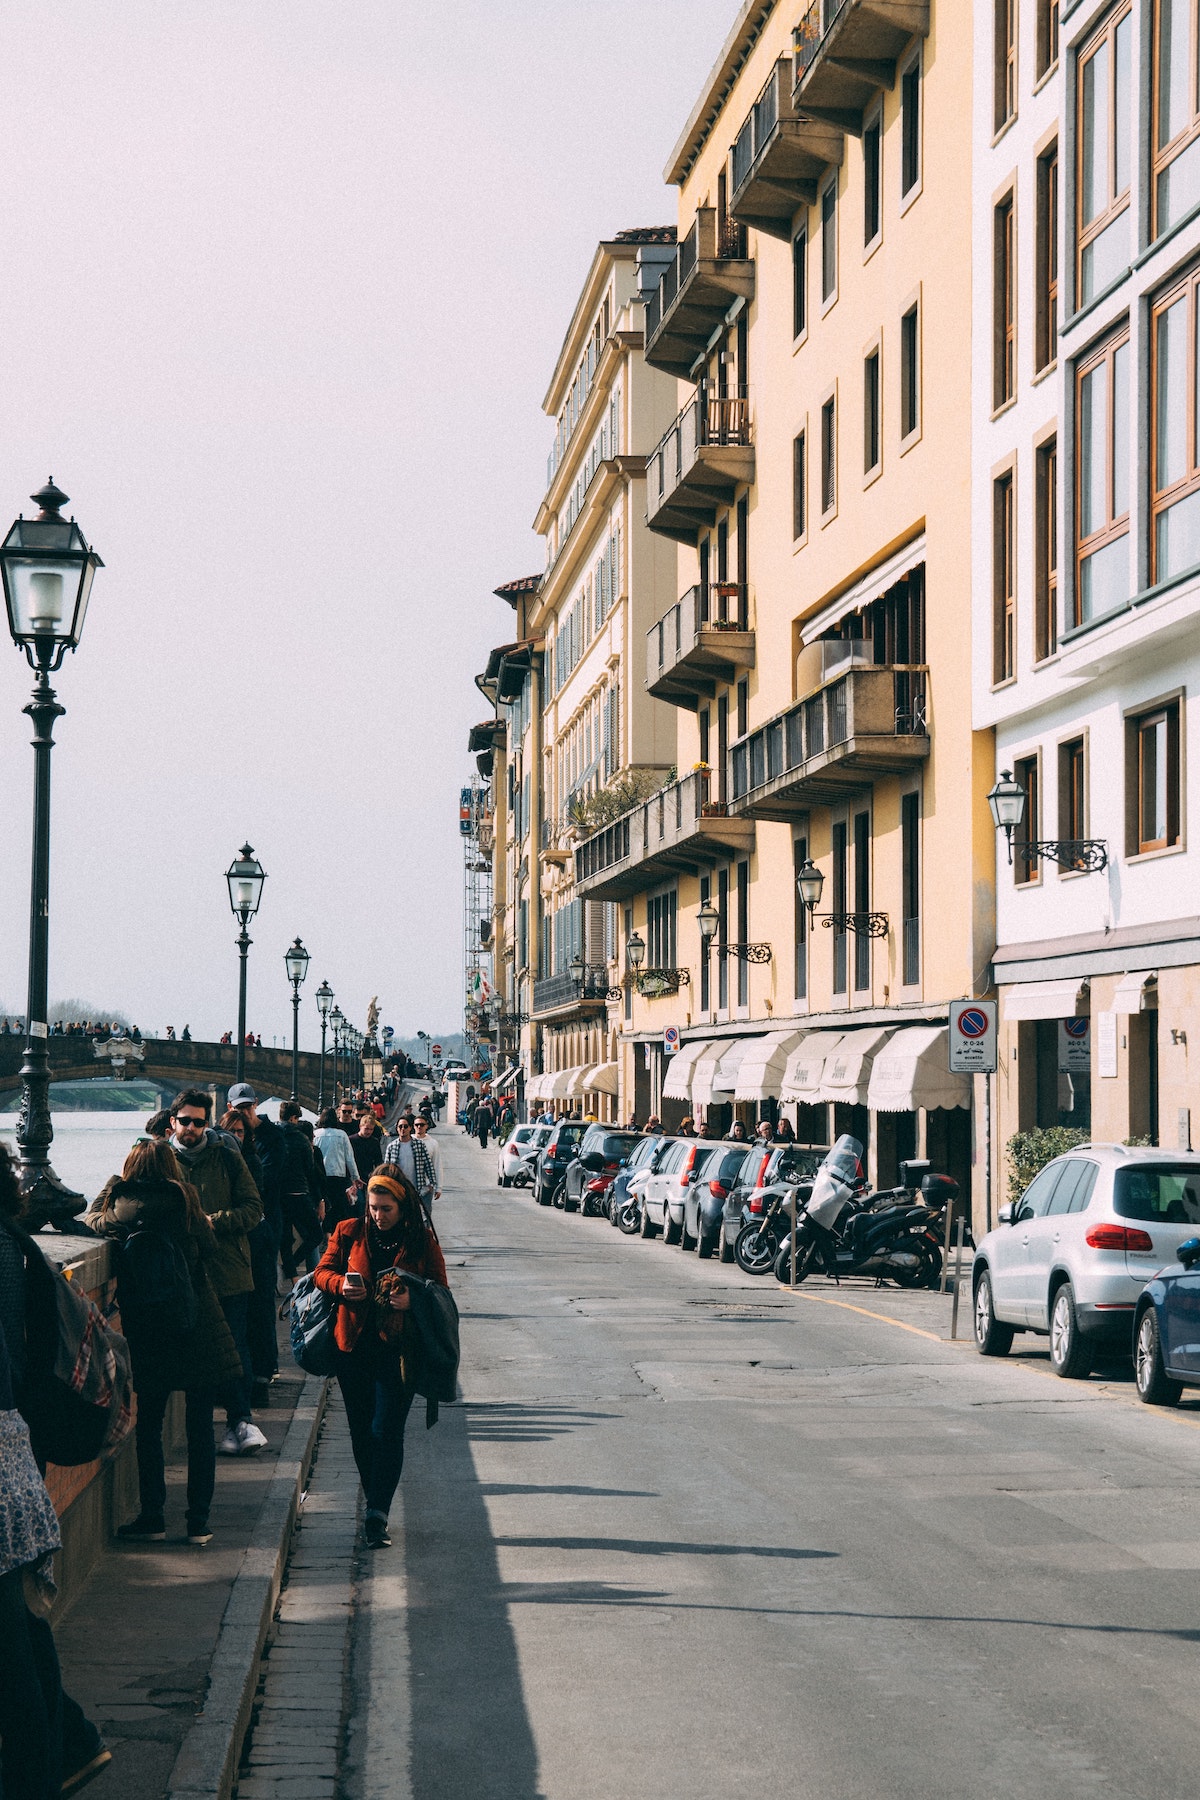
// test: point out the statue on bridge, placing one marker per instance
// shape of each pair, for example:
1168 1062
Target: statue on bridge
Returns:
373 1016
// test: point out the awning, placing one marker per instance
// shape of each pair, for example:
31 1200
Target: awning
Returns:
846 1077
914 1070
533 1087
1045 999
870 586
1136 993
677 1085
557 1085
805 1065
715 1076
760 1076
507 1080
599 1078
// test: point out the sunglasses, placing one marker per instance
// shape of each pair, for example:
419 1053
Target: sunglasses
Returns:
189 1120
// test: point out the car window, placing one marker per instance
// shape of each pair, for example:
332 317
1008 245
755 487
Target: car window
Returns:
1065 1187
522 1134
1087 1185
673 1159
645 1150
705 1154
1170 1195
731 1163
613 1145
1037 1196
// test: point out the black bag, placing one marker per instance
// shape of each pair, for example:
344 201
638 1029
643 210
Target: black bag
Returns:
435 1316
312 1314
154 1287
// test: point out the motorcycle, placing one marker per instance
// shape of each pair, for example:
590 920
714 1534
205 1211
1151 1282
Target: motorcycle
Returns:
758 1242
891 1235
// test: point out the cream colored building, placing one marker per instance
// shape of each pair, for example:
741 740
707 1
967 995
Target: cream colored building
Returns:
817 646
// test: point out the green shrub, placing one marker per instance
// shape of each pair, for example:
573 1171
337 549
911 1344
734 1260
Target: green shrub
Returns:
1030 1151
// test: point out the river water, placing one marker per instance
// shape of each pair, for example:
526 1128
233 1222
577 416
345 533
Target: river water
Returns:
88 1147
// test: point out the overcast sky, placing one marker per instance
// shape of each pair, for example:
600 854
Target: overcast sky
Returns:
283 285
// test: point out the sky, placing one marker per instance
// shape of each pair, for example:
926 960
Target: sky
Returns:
284 284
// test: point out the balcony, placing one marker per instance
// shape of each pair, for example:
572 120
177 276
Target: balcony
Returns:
562 993
677 830
779 157
703 459
869 722
709 271
703 640
846 50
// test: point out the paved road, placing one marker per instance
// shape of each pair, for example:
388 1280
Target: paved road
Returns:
692 1536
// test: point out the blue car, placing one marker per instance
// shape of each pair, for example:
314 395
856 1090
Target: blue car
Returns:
1166 1330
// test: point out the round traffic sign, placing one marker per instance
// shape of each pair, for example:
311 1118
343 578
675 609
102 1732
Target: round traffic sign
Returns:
1076 1028
973 1023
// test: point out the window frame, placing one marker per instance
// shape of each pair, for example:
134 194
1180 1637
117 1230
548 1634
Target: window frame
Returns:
1073 791
829 240
910 362
1186 288
1004 300
1004 574
1046 580
829 457
1161 157
1028 771
1116 525
1115 203
873 411
1170 710
800 486
912 127
1046 264
1046 38
872 184
800 284
910 887
1004 67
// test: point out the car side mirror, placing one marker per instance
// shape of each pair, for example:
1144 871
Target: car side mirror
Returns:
1007 1214
1189 1252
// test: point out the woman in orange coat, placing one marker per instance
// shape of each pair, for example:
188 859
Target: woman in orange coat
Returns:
359 1271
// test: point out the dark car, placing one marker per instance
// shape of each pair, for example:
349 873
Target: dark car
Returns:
589 1177
768 1162
704 1201
641 1159
562 1147
1166 1329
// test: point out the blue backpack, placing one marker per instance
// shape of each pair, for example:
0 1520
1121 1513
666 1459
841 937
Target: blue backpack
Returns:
312 1314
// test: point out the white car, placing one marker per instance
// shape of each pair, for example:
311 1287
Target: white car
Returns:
1071 1257
664 1192
513 1161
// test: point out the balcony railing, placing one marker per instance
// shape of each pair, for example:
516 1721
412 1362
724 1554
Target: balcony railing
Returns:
703 640
778 157
698 464
678 829
870 722
845 51
555 992
707 273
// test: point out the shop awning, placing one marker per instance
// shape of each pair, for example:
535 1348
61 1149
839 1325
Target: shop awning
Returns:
716 1073
847 1073
557 1085
1045 999
507 1080
533 1087
760 1076
678 1082
599 1078
1136 993
805 1065
913 1070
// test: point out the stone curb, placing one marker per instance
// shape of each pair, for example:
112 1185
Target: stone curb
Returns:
207 1764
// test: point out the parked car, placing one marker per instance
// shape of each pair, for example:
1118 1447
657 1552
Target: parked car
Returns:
1073 1255
515 1157
662 1193
639 1159
763 1164
560 1149
602 1150
1166 1330
704 1200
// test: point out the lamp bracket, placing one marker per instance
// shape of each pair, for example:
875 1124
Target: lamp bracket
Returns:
1080 855
858 924
750 953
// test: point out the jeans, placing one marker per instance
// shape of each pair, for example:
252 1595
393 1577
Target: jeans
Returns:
235 1397
260 1312
300 1218
377 1408
202 1454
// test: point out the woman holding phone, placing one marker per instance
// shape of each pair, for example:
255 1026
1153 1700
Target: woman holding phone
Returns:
362 1269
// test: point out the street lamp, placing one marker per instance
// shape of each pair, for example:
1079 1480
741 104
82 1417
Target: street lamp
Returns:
635 951
810 884
47 569
324 1002
1007 804
336 1021
709 921
244 878
296 963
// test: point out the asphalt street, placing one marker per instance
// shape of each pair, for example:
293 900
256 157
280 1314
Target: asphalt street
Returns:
691 1535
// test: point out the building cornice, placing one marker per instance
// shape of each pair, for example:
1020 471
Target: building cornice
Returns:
735 53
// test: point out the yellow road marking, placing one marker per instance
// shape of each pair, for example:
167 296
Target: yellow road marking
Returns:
900 1324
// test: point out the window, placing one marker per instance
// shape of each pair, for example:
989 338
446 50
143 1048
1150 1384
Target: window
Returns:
799 858
873 178
872 446
829 241
722 747
1176 110
862 898
1005 106
661 912
722 938
839 906
910 373
1103 130
1102 463
1004 599
1152 779
1025 867
1072 790
1004 304
1176 390
910 887
829 455
627 1008
799 486
704 722
800 282
910 127
743 932
1046 551
743 707
1047 36
1046 253
705 954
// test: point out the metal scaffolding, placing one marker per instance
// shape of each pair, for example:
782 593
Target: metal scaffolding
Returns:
475 828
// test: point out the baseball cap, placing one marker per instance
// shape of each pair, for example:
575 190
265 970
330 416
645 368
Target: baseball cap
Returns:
242 1094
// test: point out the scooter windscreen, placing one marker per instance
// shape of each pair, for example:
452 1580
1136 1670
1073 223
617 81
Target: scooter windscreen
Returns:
834 1182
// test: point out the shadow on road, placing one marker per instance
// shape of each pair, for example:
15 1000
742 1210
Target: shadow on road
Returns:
656 1547
496 1489
504 1422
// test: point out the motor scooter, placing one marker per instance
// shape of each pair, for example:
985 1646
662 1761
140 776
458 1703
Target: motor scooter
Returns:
892 1235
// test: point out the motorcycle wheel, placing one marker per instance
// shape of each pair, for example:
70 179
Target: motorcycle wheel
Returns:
755 1249
629 1219
932 1272
807 1262
910 1277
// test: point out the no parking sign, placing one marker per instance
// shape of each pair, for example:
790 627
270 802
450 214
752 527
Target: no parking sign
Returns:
670 1040
973 1037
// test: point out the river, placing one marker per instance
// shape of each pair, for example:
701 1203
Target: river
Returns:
88 1147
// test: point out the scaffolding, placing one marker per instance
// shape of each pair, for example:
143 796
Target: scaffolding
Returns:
475 828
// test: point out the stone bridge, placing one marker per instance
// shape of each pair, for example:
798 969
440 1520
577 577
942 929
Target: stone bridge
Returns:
172 1065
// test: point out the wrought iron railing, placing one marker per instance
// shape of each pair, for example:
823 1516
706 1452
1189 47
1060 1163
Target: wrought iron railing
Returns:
822 722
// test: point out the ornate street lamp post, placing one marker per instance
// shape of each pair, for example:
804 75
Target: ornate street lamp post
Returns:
244 877
47 569
296 962
324 1002
336 1021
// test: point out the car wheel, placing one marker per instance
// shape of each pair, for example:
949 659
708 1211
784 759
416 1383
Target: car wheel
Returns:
725 1249
686 1240
648 1230
1070 1353
539 1194
671 1231
568 1205
1154 1385
992 1338
706 1243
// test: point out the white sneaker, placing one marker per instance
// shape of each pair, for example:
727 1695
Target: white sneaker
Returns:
249 1438
229 1445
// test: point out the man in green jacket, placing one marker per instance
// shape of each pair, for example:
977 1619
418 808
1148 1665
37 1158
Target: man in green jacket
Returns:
230 1198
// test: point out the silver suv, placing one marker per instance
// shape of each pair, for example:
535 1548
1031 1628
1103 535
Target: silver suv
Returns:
1072 1255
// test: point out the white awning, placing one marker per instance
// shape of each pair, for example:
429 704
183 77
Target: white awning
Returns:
507 1080
914 1070
557 1085
533 1087
802 1077
847 1073
760 1076
868 587
1136 992
599 1078
715 1075
1045 999
677 1085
